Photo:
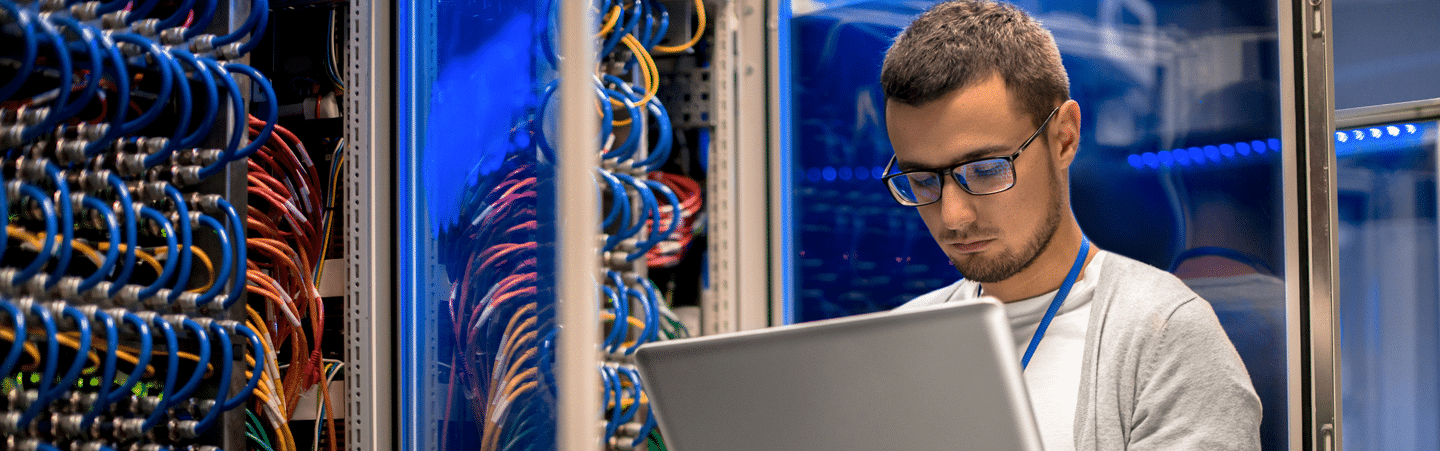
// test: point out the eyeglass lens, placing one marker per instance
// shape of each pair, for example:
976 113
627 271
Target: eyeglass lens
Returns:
979 177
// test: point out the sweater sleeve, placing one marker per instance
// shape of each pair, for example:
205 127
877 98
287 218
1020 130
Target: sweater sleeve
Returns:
1192 390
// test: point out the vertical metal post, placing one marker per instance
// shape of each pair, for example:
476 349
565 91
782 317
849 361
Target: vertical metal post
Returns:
741 188
369 227
1307 96
578 261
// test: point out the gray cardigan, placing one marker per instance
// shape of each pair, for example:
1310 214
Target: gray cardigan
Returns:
1159 372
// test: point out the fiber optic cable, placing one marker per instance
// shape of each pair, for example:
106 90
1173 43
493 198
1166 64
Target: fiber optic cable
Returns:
695 38
182 117
106 398
107 371
238 229
121 80
256 350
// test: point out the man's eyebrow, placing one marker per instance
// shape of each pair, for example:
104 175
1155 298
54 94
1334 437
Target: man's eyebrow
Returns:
975 154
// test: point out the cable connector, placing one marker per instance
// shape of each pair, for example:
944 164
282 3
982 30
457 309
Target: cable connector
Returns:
173 36
68 287
230 51
86 11
202 44
116 21
146 27
186 175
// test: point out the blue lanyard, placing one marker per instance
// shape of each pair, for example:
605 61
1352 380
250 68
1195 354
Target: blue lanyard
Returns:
1057 302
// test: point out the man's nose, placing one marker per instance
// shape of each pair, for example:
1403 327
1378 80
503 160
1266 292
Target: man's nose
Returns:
957 207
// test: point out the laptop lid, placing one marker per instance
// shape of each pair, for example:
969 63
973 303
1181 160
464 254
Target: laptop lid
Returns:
944 377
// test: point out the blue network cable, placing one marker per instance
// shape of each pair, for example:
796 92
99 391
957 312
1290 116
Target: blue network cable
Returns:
634 376
653 293
122 192
203 16
651 207
108 396
172 249
178 17
49 392
611 380
17 318
87 37
142 10
257 352
121 79
25 22
254 26
47 209
212 99
225 246
225 364
619 203
62 57
649 329
617 333
67 224
172 370
187 242
237 287
182 117
236 99
113 253
107 368
657 235
162 95
171 399
632 139
661 153
272 111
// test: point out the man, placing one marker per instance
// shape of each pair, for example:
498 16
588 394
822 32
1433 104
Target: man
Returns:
984 131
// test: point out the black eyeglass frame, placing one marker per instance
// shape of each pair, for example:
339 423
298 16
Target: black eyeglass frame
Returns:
941 174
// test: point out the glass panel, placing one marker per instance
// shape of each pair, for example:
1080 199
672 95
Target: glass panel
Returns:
1179 164
1380 51
476 259
1390 350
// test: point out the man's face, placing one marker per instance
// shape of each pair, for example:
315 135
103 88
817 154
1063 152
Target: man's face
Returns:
992 237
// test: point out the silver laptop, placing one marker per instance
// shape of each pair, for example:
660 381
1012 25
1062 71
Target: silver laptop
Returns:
937 378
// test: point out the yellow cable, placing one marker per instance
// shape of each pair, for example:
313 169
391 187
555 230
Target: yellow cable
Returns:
204 259
139 253
699 31
648 71
633 321
329 217
37 240
30 348
611 18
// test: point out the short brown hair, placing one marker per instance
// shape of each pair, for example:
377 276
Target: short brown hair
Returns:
959 43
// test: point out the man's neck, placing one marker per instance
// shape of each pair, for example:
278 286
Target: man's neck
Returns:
1047 272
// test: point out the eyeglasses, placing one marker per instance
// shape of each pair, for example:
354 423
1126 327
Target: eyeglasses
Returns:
978 177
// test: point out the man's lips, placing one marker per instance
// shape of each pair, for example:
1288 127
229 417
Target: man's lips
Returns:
967 247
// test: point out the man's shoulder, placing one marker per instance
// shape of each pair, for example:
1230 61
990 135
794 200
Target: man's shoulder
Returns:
1135 289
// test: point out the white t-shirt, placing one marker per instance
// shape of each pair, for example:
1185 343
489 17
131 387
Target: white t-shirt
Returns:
1053 377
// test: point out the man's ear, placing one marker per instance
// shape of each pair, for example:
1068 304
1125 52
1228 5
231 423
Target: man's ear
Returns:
1065 134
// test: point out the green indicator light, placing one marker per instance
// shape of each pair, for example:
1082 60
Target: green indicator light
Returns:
94 382
34 378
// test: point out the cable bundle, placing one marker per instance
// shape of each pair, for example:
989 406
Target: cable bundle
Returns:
648 215
120 270
288 228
